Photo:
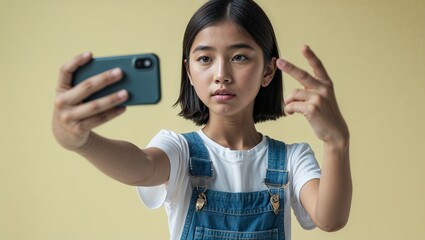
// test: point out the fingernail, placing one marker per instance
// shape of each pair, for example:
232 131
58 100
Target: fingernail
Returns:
87 54
281 62
116 72
122 94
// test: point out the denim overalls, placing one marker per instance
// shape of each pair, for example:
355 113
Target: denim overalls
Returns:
243 215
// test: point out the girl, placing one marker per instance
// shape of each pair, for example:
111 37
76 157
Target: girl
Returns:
226 180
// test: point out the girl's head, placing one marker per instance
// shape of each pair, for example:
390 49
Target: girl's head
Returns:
252 19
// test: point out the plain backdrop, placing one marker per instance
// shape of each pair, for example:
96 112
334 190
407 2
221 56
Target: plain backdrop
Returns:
373 50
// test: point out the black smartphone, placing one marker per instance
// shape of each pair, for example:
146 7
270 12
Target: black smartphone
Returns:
141 77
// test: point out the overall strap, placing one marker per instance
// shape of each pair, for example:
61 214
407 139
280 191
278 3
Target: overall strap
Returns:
200 164
277 175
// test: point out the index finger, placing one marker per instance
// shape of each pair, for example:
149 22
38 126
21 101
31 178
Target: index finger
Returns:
297 73
317 65
68 69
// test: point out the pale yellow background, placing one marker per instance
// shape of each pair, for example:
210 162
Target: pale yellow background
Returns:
374 51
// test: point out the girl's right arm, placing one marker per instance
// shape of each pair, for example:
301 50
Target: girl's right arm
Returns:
73 122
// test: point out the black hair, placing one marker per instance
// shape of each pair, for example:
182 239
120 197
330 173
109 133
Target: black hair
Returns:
250 17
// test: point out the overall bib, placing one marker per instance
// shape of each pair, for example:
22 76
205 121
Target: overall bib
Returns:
244 215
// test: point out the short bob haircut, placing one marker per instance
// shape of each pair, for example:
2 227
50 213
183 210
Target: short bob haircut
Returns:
250 17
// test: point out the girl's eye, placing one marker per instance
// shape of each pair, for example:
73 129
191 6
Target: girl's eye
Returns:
239 58
204 59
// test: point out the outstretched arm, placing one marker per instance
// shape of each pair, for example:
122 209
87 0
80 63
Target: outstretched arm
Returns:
74 120
327 200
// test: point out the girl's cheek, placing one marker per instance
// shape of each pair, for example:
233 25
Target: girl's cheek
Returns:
202 72
252 72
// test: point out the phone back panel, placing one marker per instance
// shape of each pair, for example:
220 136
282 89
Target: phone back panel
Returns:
142 84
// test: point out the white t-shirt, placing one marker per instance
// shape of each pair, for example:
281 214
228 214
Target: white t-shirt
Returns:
234 171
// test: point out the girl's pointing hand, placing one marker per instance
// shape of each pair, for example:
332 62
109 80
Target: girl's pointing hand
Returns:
317 101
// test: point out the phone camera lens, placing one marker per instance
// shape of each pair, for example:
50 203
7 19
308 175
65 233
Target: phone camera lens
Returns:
143 63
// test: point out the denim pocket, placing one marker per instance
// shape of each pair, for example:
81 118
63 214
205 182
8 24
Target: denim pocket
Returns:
213 234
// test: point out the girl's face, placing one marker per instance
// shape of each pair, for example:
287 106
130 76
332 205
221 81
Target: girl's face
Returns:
226 68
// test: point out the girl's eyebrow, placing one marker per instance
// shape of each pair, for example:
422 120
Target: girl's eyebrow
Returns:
231 47
202 48
241 45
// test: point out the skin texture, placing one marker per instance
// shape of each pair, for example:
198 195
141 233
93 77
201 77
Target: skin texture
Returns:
227 73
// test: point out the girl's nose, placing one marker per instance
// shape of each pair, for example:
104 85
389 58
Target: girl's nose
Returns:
223 73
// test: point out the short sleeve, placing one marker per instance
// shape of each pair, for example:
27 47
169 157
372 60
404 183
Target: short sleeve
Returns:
303 167
176 149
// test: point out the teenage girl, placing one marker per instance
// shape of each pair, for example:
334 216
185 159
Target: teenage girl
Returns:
226 180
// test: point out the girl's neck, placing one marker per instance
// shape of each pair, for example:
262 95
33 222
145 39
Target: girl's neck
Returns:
236 135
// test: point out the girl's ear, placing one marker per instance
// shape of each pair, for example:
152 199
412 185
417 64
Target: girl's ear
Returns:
186 65
269 72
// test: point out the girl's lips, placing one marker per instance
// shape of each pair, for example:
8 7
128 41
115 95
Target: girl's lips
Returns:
223 97
223 94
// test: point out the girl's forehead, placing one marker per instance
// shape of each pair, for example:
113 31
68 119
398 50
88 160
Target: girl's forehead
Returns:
225 32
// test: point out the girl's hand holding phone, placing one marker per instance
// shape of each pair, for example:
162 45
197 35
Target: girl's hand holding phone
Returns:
73 119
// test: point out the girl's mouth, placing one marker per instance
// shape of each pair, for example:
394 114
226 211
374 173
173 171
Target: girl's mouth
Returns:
223 94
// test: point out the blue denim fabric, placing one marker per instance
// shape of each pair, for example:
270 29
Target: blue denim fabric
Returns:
242 215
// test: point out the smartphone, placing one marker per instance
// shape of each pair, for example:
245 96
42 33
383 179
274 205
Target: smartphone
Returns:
141 77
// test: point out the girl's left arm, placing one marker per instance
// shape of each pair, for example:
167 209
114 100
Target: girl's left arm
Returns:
328 199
